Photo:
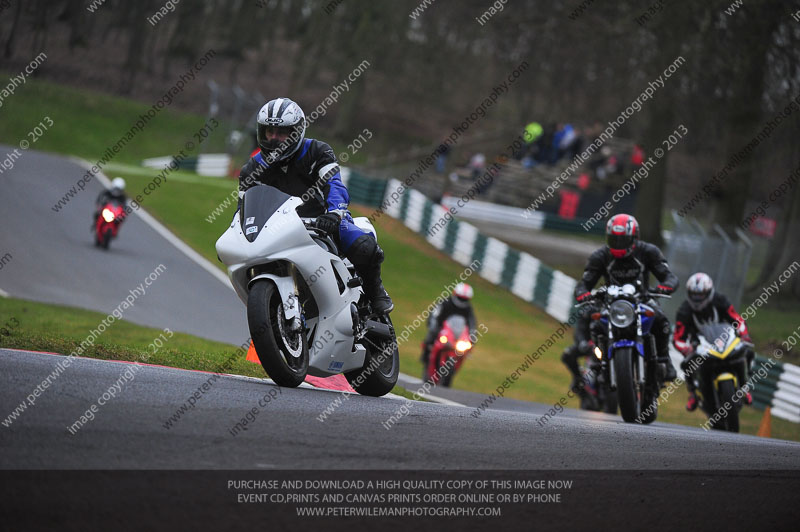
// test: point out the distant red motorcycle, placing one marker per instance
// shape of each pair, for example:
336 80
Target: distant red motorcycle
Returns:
451 348
107 223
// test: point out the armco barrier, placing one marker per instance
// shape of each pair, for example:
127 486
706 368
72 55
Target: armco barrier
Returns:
482 211
207 164
780 389
362 189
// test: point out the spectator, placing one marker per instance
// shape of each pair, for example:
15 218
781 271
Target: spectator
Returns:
530 137
566 142
637 157
441 158
544 145
477 163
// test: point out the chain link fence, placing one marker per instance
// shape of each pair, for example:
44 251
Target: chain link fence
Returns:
691 248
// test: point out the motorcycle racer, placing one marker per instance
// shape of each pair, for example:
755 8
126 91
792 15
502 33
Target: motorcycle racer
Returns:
626 259
704 304
307 168
114 194
457 303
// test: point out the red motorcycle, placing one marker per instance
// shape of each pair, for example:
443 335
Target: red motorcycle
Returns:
449 351
107 223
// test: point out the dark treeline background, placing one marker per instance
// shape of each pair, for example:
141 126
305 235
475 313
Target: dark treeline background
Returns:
427 73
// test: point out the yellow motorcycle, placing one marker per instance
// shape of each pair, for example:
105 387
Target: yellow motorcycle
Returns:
721 362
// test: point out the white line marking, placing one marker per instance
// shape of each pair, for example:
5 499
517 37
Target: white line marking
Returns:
432 398
164 232
409 378
440 400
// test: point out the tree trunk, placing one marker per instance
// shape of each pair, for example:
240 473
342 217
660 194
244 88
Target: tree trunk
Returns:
9 47
745 119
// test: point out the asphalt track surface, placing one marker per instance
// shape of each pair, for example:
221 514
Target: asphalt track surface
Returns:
55 261
128 431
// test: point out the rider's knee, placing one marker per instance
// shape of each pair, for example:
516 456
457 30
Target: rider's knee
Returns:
365 251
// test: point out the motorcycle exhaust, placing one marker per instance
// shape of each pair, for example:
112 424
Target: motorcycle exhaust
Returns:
378 331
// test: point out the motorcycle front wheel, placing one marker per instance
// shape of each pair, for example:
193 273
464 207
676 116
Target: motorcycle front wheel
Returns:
448 373
727 395
106 238
283 353
628 395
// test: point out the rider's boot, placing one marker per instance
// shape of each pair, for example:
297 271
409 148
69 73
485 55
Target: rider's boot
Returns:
426 354
376 293
663 358
692 402
570 359
367 256
662 349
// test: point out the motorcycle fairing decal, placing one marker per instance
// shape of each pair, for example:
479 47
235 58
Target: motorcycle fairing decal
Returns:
335 366
250 230
724 354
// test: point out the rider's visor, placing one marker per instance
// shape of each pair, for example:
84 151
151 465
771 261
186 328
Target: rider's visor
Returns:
268 132
619 241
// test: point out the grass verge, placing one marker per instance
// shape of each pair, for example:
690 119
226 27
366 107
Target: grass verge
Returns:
60 329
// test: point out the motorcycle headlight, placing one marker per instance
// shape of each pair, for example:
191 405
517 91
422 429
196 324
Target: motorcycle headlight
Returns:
621 313
462 346
108 215
443 339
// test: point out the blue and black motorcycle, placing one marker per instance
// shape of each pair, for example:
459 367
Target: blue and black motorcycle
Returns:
626 349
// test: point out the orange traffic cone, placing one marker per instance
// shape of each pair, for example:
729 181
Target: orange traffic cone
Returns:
251 354
765 429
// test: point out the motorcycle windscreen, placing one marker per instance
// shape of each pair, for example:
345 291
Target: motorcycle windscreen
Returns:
457 323
260 202
717 334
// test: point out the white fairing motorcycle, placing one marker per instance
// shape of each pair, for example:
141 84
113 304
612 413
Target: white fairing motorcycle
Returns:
306 309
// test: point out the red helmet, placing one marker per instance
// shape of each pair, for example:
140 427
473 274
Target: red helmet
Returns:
622 232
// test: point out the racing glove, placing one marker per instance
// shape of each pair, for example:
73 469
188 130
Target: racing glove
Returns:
664 289
328 222
583 297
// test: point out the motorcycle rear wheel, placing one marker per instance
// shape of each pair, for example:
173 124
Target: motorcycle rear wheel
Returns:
275 351
379 380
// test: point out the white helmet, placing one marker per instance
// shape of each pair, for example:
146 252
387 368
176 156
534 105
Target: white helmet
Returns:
462 293
700 290
118 183
285 117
